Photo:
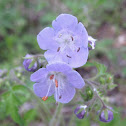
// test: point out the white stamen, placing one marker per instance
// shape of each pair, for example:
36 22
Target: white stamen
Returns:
60 80
92 41
48 89
66 41
56 91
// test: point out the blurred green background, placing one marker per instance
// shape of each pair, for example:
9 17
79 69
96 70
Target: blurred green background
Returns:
105 20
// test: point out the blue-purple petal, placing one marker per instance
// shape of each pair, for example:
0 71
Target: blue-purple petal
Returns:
82 34
77 109
78 59
59 67
67 94
41 89
75 60
64 21
81 114
53 56
39 75
45 39
75 79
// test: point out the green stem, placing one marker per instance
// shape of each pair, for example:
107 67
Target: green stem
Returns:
95 92
95 77
56 116
71 120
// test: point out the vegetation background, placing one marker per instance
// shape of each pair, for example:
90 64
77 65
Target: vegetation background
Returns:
22 20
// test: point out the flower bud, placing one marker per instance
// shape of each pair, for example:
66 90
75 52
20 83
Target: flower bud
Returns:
80 113
102 116
27 63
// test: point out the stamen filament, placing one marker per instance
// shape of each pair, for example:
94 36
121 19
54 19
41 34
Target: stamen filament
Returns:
56 83
46 97
56 91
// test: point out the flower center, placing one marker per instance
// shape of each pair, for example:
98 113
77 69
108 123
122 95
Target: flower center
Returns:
66 40
55 80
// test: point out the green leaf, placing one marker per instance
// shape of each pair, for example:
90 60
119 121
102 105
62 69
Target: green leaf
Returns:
112 86
15 115
5 94
20 91
88 94
102 80
89 64
109 79
100 67
19 87
12 109
29 116
82 95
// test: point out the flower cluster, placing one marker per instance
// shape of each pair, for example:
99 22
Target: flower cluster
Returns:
67 47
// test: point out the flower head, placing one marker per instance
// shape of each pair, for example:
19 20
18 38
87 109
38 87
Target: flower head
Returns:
58 79
27 62
67 41
78 113
103 118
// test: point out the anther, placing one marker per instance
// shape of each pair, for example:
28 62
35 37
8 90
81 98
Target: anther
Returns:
68 56
72 38
58 49
45 98
51 77
78 49
56 83
60 96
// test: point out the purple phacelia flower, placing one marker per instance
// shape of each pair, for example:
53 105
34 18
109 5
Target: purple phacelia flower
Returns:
67 41
102 116
91 41
27 62
81 114
58 79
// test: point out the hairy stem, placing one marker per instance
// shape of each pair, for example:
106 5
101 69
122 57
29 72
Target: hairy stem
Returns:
95 91
56 116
